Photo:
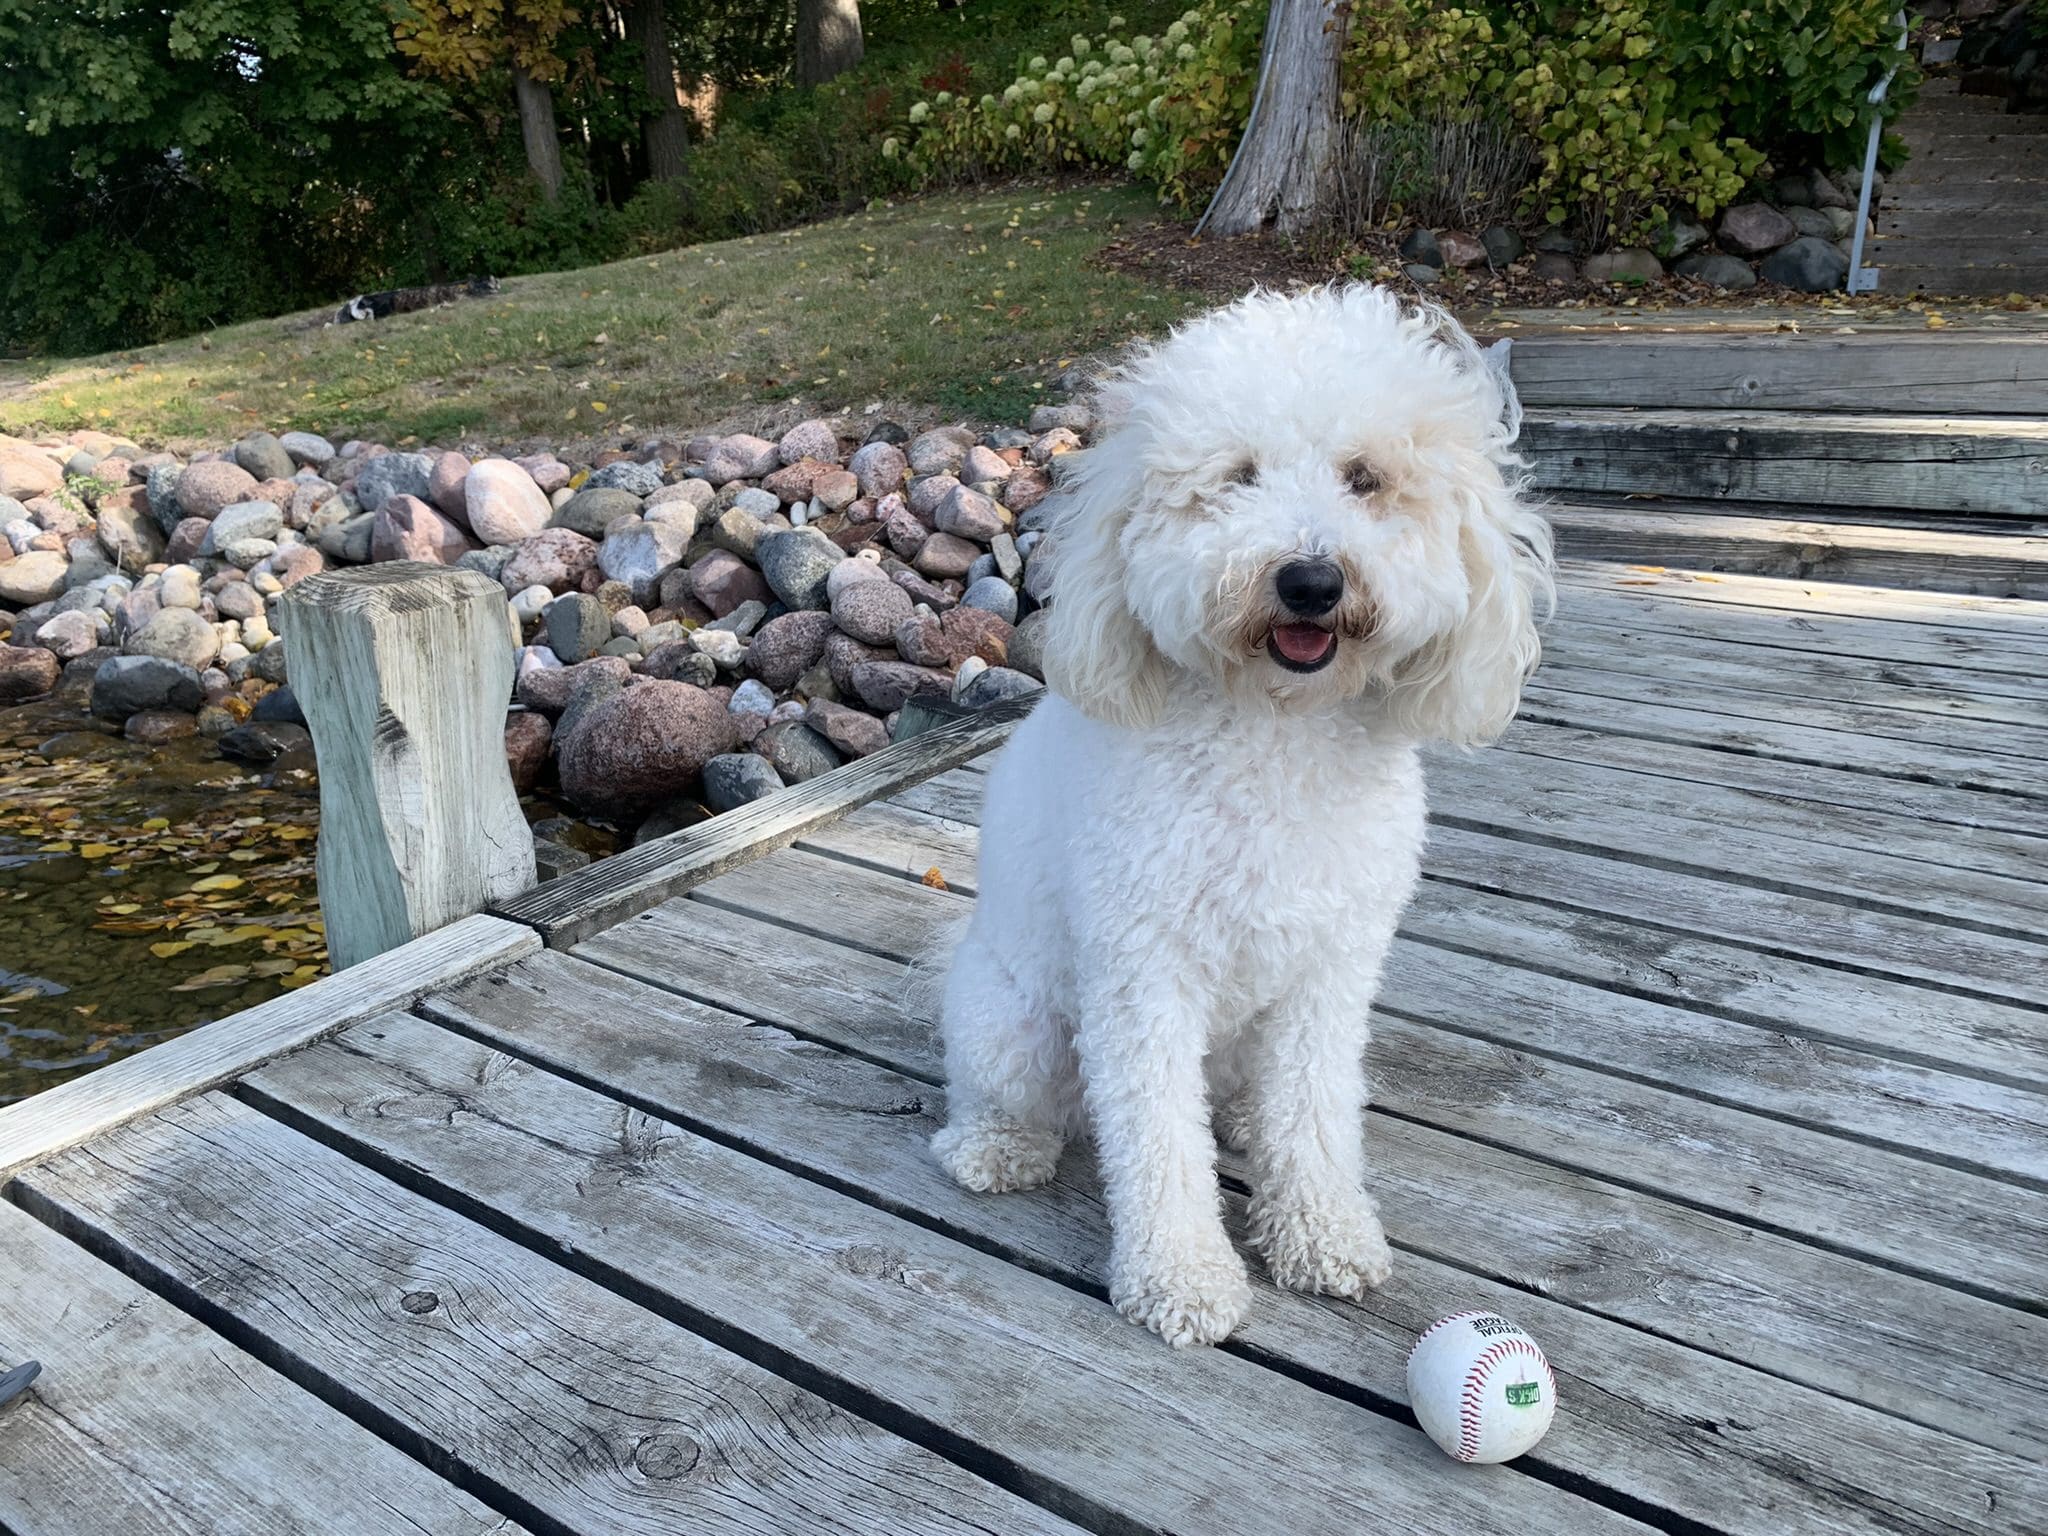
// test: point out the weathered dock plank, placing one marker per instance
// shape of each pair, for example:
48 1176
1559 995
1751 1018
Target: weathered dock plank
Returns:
1042 1381
145 1421
551 1394
1689 1435
82 1108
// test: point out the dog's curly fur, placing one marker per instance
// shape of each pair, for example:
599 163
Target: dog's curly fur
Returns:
1196 851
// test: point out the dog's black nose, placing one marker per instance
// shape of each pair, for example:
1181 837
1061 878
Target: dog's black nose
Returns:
1310 588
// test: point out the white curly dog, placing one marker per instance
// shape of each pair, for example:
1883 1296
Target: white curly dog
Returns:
1298 551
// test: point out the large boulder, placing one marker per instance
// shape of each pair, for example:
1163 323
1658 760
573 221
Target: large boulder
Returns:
130 536
243 520
502 503
551 690
797 752
1809 264
879 468
640 554
871 610
446 486
265 457
723 582
641 746
733 779
1716 268
203 489
176 634
126 685
1750 229
951 638
785 649
594 509
888 685
308 448
27 472
970 515
628 475
739 457
808 440
554 558
577 627
408 529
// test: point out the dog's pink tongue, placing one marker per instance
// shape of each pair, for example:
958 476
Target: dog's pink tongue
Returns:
1303 642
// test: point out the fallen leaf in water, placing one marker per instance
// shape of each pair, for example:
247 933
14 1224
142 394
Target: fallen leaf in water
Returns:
157 824
206 869
96 850
169 947
219 883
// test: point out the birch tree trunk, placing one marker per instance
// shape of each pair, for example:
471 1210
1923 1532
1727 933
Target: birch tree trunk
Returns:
667 133
828 40
1281 170
537 128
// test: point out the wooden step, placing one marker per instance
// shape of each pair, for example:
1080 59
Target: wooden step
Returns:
1704 538
1992 467
1945 280
1916 372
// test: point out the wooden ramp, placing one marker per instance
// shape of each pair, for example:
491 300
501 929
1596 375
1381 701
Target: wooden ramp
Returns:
1714 1051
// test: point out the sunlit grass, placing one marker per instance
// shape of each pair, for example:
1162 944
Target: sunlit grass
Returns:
965 302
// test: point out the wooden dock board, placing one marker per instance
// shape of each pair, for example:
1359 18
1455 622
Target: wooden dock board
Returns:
1714 1049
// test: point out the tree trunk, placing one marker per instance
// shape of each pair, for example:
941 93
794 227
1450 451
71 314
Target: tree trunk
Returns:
667 133
537 128
828 39
1282 165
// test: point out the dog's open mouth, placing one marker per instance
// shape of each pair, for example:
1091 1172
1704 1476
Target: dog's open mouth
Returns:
1302 647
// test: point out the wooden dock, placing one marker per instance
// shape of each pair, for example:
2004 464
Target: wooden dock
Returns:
1714 1051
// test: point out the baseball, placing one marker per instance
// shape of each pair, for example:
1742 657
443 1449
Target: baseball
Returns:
1480 1387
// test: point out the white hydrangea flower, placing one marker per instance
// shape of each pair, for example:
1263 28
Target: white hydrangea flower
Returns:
1116 23
1012 92
1120 55
919 111
988 103
1038 64
1013 132
1184 52
943 99
1081 45
1141 137
1042 113
889 148
1137 160
1178 31
1065 66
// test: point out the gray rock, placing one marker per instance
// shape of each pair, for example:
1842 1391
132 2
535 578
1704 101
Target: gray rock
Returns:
870 610
1503 245
796 752
788 647
501 503
797 564
1750 229
36 577
393 474
176 634
577 627
27 672
996 684
238 600
1809 264
1790 192
243 520
491 562
752 697
1812 221
69 636
879 468
1422 274
854 732
1722 271
984 565
991 594
264 457
1420 246
280 706
308 448
808 440
632 751
886 685
757 503
593 509
264 741
940 451
739 457
677 662
734 779
742 621
130 537
1554 267
1841 222
125 685
641 554
970 515
162 490
268 664
1632 266
626 475
1680 236
203 489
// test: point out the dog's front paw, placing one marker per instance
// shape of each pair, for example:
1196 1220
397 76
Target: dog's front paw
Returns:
1191 1295
1233 1119
1336 1247
993 1156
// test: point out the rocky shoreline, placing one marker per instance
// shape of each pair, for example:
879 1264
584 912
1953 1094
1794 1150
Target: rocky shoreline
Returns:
701 622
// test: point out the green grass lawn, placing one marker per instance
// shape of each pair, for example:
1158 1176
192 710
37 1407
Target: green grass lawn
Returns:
964 302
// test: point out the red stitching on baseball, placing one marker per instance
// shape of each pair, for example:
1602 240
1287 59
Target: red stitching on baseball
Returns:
1474 1395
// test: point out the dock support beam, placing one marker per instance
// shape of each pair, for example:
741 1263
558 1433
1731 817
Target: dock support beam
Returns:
403 671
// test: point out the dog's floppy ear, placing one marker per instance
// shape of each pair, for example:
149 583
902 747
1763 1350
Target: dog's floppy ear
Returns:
1097 654
1463 687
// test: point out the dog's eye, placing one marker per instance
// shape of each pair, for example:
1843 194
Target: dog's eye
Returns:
1360 478
1246 473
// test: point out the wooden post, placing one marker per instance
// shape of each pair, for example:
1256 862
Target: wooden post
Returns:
403 671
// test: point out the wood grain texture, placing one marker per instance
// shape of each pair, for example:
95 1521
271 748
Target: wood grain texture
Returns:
550 1390
145 1421
1638 1094
1913 1348
403 670
2012 565
2007 625
1687 1433
570 908
1976 465
1094 1415
1890 373
82 1108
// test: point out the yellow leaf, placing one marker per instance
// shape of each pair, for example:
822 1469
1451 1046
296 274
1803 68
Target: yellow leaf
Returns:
219 883
169 947
123 908
599 406
206 869
156 824
96 850
59 847
935 880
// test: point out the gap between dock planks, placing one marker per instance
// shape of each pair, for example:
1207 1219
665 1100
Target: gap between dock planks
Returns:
1042 1385
578 904
548 1394
82 1108
1734 1449
146 1421
1916 1349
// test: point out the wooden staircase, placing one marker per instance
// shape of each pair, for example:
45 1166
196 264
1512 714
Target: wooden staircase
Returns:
1900 459
1968 213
